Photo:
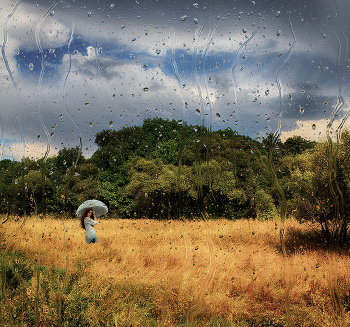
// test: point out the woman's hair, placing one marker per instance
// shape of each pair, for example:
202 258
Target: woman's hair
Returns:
83 217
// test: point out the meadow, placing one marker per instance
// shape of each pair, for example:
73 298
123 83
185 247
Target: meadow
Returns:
170 273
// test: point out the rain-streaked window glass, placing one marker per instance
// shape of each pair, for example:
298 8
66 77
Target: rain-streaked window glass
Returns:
174 163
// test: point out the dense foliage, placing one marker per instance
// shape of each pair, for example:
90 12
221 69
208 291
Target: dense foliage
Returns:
164 169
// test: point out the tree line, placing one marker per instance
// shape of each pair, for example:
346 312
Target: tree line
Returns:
170 170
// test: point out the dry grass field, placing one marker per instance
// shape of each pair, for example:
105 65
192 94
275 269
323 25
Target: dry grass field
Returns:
197 273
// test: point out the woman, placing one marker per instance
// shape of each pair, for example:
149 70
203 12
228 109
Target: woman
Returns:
88 221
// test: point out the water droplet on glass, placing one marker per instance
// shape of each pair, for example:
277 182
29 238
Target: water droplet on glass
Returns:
244 56
31 66
158 51
122 26
111 124
324 36
99 50
182 56
301 110
195 20
278 33
17 51
51 51
89 13
111 7
132 56
278 13
218 115
75 52
244 30
280 54
133 39
195 5
253 2
198 112
267 92
144 66
145 89
313 126
184 17
91 124
52 12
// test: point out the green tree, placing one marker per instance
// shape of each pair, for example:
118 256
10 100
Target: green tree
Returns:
154 186
296 145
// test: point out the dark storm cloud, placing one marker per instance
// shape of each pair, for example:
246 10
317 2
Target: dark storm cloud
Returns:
221 62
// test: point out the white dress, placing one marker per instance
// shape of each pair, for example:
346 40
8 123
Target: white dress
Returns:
90 233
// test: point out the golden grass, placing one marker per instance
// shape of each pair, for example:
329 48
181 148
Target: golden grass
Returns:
215 268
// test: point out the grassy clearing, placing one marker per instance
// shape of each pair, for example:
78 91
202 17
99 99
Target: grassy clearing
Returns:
170 273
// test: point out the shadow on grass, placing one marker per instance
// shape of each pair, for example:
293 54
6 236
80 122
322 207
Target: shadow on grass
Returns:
300 240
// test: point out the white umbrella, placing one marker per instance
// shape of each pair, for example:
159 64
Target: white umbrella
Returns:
99 207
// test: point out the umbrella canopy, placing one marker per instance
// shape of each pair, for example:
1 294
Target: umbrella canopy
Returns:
99 207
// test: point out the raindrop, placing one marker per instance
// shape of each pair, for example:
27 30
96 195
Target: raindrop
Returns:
253 2
301 110
123 26
132 56
324 36
144 66
313 126
133 39
75 52
100 50
51 51
280 54
52 12
218 115
278 13
184 17
158 51
195 20
89 13
290 97
17 51
182 56
111 124
278 33
198 112
111 7
91 124
195 5
145 89
244 56
244 30
31 66
267 92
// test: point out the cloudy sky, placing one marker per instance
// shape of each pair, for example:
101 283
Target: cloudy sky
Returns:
69 69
